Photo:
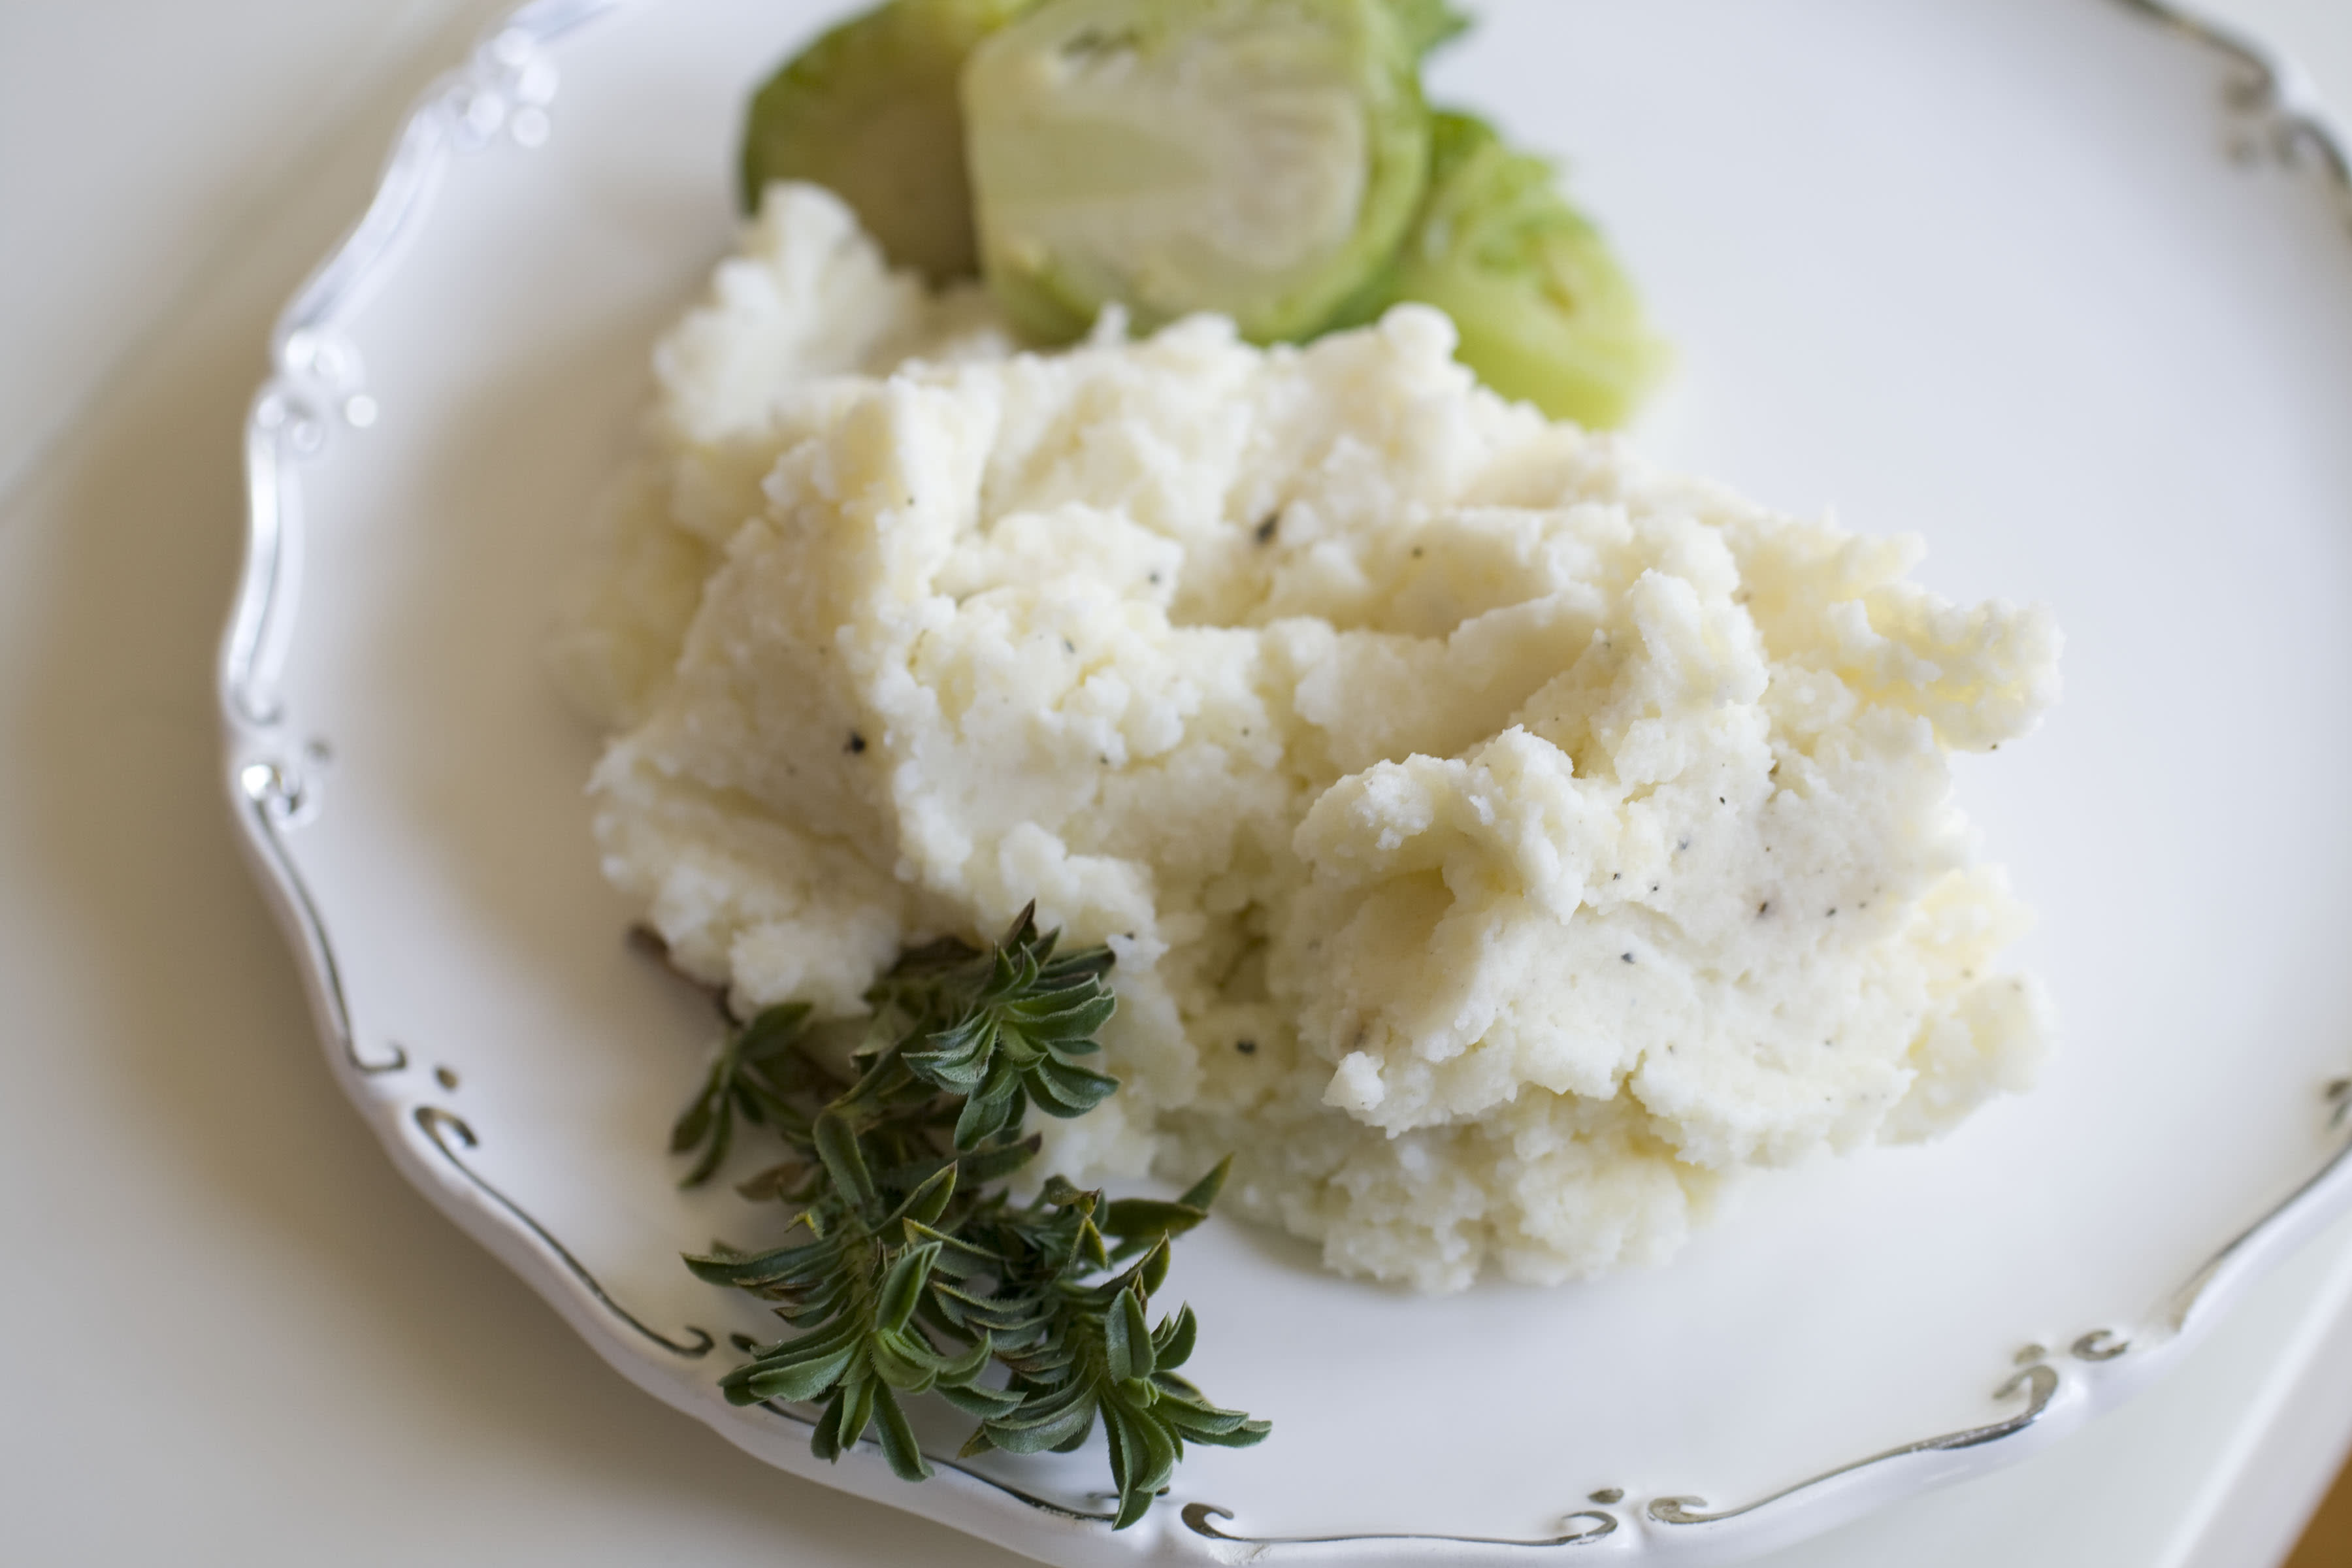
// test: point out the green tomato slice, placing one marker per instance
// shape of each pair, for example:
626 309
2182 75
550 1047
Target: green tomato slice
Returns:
870 110
1544 310
1257 158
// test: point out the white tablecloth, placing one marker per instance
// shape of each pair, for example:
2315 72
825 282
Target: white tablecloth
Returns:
229 1333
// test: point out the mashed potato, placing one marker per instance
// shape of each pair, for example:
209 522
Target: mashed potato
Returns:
1502 845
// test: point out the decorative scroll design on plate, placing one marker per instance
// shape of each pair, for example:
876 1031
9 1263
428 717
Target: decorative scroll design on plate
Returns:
2254 1249
2281 114
792 1417
2038 1381
2244 1258
440 1126
272 797
1199 1516
1043 1505
318 380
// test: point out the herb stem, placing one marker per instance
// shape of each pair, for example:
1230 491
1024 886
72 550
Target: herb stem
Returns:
920 1274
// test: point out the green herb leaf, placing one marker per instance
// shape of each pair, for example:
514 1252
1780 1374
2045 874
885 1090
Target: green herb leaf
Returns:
752 1074
909 1272
898 1444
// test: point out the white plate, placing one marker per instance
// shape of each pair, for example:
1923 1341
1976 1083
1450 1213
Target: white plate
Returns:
2062 284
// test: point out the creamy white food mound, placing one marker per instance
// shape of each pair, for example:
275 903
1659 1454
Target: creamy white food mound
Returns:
1502 845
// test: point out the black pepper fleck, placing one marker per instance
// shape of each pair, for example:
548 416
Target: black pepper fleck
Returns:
1832 914
1626 956
1763 908
1246 1048
1264 530
1683 846
1069 646
856 743
1418 553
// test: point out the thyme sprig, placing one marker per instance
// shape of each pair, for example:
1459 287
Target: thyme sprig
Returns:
910 1270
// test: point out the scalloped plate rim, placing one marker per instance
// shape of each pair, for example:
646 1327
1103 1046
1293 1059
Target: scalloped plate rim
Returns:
501 91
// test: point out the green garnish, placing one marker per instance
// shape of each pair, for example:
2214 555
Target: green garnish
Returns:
1544 311
1259 160
870 110
914 1276
1426 24
1271 160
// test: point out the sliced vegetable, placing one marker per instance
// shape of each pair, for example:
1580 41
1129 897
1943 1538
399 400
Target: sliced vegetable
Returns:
1259 158
1426 24
870 110
1544 310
